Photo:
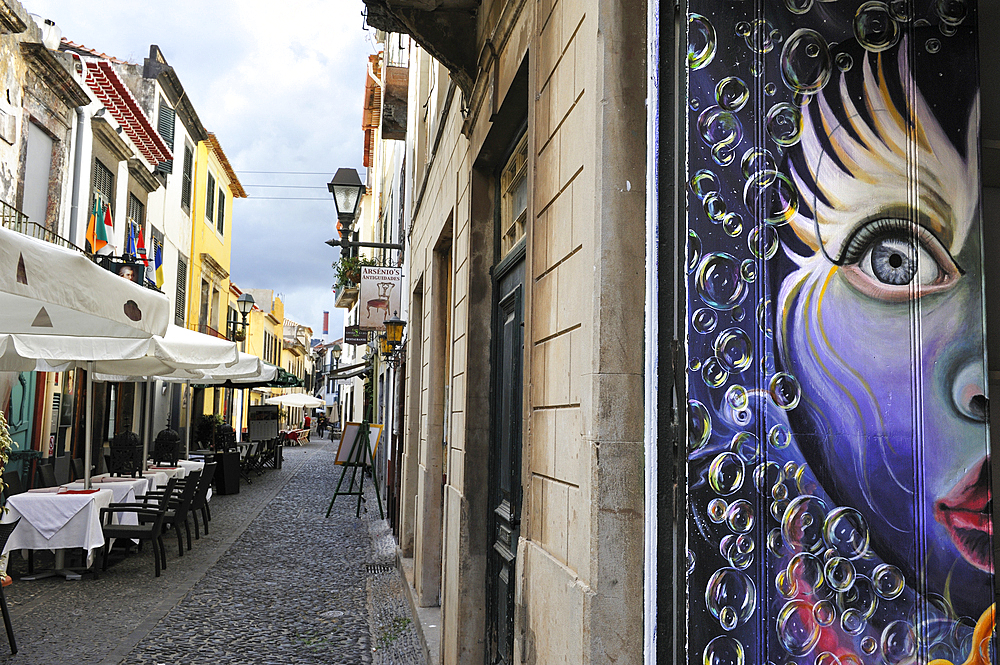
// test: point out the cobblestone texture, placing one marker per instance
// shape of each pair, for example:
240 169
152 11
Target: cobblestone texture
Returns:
274 582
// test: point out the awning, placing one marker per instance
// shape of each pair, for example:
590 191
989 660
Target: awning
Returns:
179 350
296 400
349 371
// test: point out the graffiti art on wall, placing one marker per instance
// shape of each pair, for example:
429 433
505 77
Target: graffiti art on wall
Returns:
839 506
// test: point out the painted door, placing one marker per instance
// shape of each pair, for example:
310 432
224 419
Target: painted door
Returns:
22 415
505 466
839 503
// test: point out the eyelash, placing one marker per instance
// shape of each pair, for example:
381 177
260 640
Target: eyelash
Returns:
886 227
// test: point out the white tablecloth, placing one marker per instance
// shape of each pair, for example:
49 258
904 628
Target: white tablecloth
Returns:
171 471
191 465
76 519
154 479
124 490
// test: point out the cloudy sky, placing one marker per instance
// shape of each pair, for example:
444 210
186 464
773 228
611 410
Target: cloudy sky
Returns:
281 85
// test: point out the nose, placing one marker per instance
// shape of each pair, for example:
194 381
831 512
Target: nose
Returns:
969 392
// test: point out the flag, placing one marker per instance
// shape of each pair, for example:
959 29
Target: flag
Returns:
106 231
129 241
96 236
158 263
140 246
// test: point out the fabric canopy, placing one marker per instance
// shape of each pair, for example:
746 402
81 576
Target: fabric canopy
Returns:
248 368
179 350
57 307
298 400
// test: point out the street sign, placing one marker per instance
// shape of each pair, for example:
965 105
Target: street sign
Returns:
355 335
379 296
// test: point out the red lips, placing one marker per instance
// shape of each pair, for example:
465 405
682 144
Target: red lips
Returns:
966 511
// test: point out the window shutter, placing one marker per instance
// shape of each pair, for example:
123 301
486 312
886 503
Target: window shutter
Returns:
222 212
165 128
186 178
210 199
180 297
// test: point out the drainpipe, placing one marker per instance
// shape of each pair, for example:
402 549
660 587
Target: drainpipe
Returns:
81 117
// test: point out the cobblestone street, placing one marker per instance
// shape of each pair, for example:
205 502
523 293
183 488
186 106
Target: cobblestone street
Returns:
273 582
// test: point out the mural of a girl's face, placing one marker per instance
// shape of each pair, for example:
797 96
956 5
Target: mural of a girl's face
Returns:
883 324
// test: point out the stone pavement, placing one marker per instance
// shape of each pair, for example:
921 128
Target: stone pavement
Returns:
273 582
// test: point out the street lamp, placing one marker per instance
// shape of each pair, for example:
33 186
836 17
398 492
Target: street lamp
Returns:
347 191
244 304
394 329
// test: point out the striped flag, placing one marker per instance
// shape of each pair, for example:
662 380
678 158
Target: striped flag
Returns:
97 237
107 231
140 246
158 263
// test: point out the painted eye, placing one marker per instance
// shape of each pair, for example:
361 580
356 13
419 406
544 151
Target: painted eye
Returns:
894 259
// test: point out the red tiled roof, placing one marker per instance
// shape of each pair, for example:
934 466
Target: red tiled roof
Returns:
80 47
123 107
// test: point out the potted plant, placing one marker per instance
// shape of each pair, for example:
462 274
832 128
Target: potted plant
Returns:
348 269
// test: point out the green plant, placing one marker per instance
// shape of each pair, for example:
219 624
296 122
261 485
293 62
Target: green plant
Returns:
6 445
348 268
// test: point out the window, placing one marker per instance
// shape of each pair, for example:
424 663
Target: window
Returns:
180 298
165 128
186 178
514 201
210 198
221 217
135 217
203 315
104 184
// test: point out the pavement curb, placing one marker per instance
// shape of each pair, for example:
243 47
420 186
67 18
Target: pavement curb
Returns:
423 616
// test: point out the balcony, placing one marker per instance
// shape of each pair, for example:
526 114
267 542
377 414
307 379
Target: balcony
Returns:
346 296
15 220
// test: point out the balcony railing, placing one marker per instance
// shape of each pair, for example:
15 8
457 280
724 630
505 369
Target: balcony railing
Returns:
15 220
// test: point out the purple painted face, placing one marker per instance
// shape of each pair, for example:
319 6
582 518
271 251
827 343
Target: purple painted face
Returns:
883 328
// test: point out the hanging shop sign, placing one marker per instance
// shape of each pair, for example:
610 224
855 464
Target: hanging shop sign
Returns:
379 296
355 336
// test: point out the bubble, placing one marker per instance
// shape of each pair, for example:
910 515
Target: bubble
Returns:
694 104
766 476
797 629
874 27
719 127
900 11
948 30
760 36
764 311
799 6
699 425
767 362
844 62
695 364
742 28
747 447
718 281
770 89
790 468
737 398
888 581
701 41
868 644
723 154
825 658
727 618
806 569
921 23
734 349
740 516
852 622
738 313
846 531
778 510
772 196
825 612
775 545
756 160
691 560
805 483
861 597
723 650
951 12
778 436
704 320
694 250
744 544
944 652
785 584
779 492
899 643
756 69
932 45
784 124
703 183
732 224
717 510
784 391
732 93
806 63
742 417
763 241
802 524
748 270
839 573
713 373
731 588
725 475
715 207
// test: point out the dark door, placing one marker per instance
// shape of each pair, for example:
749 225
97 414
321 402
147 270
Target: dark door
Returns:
505 465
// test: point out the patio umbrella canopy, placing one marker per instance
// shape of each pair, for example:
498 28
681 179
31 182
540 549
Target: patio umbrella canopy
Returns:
297 400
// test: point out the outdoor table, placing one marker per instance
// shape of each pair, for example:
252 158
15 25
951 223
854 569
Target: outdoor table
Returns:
154 479
191 465
54 519
171 471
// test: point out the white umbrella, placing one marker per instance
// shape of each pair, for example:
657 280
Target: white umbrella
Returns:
297 400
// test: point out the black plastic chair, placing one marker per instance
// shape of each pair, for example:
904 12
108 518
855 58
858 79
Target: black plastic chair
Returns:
46 475
179 507
5 531
78 469
12 484
151 514
200 501
61 468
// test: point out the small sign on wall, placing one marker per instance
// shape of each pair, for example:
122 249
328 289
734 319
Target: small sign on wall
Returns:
379 296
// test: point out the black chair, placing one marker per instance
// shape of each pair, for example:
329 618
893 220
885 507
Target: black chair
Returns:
5 531
126 455
103 464
179 506
46 476
12 484
166 447
60 466
151 514
78 468
200 501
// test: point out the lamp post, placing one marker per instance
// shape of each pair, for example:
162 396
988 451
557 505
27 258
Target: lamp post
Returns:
347 191
244 304
392 339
